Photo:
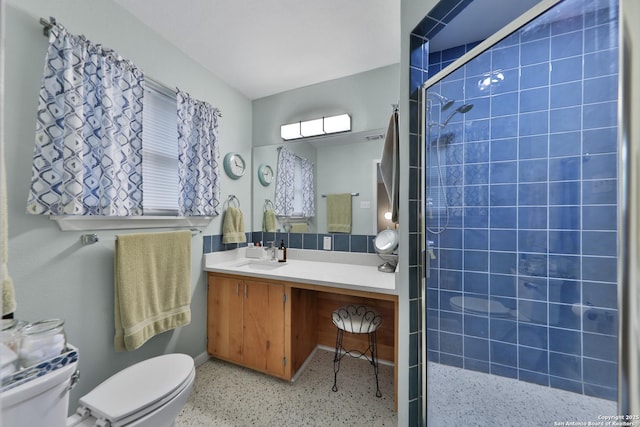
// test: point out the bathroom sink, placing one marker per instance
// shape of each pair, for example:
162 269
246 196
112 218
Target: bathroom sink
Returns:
256 264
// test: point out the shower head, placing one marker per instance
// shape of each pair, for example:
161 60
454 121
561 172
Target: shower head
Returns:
445 103
463 109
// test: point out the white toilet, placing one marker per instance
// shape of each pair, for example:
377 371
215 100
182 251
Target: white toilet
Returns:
150 393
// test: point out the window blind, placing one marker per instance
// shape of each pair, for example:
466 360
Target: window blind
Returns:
159 152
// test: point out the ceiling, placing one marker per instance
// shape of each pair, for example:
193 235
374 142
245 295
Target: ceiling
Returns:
467 28
265 47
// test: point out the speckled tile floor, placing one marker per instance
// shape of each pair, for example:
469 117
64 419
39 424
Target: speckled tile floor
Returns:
231 396
460 397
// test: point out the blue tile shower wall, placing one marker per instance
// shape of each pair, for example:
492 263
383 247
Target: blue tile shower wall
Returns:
529 175
341 242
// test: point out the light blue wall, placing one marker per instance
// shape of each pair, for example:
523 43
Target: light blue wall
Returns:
367 97
54 275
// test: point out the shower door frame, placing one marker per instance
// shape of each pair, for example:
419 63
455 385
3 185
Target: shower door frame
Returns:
628 202
628 213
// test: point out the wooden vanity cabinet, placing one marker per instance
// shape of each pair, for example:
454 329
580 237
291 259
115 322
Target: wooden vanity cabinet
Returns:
246 323
225 300
273 326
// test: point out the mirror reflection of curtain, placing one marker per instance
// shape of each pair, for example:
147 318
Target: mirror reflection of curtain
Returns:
294 185
285 182
308 193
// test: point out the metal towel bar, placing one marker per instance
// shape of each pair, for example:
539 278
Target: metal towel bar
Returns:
91 238
353 194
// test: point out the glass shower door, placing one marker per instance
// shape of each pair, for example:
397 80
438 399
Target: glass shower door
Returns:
520 203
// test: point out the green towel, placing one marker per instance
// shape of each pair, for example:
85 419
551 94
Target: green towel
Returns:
8 290
299 228
269 221
233 226
339 213
152 286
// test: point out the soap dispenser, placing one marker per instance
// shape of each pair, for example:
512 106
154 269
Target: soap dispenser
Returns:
282 252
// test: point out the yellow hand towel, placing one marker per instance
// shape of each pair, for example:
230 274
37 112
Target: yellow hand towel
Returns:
8 291
233 226
152 286
299 228
269 221
339 213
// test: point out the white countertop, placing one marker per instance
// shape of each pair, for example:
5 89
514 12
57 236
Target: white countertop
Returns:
336 269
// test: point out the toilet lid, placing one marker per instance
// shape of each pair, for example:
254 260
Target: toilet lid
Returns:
140 388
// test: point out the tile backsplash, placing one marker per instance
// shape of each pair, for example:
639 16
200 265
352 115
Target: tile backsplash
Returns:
340 242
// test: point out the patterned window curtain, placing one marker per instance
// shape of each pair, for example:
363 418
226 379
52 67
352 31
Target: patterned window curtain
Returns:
285 182
198 158
87 157
308 194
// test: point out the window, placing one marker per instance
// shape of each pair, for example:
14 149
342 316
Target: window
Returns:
159 171
134 169
159 151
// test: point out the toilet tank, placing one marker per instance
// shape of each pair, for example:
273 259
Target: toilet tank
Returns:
42 401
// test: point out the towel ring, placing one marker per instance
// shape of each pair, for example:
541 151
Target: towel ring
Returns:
232 199
268 204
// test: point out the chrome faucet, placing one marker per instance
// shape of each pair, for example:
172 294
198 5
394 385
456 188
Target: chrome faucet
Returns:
273 249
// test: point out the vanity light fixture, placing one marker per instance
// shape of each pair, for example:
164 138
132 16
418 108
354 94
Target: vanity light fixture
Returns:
316 127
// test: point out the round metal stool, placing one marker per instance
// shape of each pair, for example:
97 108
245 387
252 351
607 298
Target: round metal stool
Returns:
356 319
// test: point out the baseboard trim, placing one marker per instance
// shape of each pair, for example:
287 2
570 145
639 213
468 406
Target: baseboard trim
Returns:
204 357
201 358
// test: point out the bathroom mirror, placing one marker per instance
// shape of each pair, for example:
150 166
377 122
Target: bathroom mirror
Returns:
344 163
